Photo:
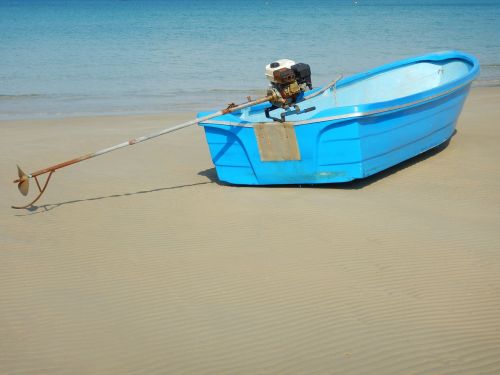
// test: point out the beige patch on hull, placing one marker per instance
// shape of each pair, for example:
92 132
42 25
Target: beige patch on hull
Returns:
277 141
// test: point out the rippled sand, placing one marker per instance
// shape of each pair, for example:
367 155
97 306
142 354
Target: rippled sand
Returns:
140 262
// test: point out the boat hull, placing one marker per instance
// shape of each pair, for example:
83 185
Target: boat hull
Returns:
337 149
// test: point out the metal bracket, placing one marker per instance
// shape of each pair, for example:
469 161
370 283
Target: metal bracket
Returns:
296 111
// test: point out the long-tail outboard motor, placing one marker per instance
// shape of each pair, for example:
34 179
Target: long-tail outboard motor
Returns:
288 83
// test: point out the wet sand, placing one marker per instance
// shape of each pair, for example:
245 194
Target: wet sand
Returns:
141 262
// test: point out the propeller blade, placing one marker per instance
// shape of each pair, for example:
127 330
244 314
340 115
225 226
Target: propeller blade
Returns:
20 172
24 187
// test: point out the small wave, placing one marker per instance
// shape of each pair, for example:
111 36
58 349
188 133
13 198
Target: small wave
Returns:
237 91
21 96
179 93
490 65
487 83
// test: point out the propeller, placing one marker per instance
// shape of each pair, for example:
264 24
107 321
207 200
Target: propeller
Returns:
24 182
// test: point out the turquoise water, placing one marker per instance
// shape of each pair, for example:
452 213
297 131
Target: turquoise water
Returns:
60 58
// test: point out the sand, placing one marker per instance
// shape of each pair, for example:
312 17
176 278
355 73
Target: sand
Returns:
140 262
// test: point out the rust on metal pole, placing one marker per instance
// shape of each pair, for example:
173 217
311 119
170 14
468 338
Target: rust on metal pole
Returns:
57 166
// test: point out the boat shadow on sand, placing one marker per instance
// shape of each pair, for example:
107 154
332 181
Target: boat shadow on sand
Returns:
211 175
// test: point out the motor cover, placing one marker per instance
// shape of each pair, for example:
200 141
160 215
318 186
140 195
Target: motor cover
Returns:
276 65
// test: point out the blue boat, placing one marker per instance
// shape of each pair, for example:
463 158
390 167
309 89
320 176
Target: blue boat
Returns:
362 125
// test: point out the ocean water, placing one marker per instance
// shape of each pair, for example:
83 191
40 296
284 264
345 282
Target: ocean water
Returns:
64 58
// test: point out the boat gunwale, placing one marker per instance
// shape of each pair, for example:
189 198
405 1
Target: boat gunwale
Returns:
356 111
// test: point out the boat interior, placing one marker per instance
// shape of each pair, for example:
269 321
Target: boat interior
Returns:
366 88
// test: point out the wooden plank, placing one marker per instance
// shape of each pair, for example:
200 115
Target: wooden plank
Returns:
277 141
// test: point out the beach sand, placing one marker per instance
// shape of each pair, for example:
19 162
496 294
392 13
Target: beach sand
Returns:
141 262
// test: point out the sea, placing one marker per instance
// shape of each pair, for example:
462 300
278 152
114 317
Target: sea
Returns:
91 57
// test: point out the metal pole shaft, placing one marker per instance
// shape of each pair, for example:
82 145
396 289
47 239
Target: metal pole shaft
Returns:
134 141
